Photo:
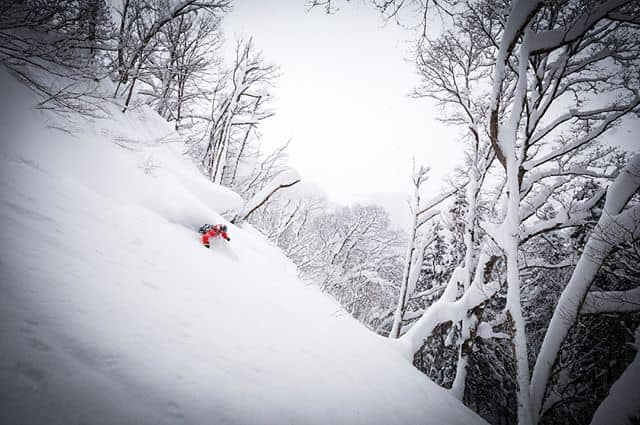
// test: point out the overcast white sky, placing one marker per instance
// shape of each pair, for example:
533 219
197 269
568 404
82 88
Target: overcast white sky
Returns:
342 98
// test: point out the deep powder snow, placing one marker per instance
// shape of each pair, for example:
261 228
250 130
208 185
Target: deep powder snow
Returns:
111 311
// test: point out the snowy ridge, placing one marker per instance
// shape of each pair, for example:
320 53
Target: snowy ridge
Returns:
113 313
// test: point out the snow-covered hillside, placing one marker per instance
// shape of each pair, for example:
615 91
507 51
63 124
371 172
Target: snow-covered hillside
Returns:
111 311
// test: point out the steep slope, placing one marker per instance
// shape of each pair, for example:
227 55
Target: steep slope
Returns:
111 312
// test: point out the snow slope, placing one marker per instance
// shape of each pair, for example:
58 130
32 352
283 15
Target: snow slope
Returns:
111 312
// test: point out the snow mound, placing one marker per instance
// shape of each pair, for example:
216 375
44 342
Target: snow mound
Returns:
112 312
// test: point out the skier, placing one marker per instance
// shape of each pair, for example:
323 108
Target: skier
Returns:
209 231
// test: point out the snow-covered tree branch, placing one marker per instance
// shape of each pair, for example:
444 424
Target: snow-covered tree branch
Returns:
282 181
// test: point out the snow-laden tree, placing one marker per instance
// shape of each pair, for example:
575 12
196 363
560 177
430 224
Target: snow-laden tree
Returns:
453 68
286 220
59 49
542 83
357 258
414 254
351 253
561 54
619 224
239 103
140 33
181 68
548 56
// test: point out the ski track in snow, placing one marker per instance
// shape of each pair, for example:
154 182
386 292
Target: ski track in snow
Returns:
113 313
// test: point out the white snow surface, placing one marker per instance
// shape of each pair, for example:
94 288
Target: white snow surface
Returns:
112 312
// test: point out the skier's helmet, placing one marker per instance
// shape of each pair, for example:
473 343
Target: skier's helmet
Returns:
223 227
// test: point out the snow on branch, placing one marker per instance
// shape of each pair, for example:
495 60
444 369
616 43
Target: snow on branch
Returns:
553 39
538 176
520 15
427 293
572 115
437 200
485 331
530 205
494 230
621 191
591 136
281 181
537 263
575 216
447 308
612 301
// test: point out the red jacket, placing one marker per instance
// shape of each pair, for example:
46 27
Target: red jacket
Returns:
215 231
